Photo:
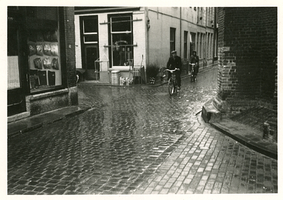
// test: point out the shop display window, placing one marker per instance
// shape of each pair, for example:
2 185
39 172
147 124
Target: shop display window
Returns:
121 40
44 48
13 57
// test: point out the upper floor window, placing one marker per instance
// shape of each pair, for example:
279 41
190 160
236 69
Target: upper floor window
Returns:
172 39
185 44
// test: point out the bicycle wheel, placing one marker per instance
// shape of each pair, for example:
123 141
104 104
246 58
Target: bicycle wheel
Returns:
171 87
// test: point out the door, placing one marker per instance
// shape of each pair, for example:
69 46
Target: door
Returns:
89 43
16 78
91 66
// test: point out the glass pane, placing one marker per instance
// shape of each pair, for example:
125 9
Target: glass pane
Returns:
121 23
121 39
122 50
91 38
123 56
91 57
12 40
13 72
44 49
90 25
172 34
42 12
13 60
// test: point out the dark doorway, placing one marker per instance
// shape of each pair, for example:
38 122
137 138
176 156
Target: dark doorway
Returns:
89 43
15 88
92 67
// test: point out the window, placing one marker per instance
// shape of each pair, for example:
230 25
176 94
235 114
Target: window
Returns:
90 30
192 43
121 40
200 45
13 57
44 48
185 44
172 39
90 46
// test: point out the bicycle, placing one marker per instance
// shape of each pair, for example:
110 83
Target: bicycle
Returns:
193 72
172 82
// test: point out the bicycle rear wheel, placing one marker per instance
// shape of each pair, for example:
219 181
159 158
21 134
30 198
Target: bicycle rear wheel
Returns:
171 87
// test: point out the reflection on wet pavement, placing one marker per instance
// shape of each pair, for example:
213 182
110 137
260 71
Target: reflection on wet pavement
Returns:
127 138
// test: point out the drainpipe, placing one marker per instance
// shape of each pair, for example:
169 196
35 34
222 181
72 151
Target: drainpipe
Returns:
146 58
214 35
180 31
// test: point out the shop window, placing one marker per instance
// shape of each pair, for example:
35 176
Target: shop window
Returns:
44 48
13 58
121 40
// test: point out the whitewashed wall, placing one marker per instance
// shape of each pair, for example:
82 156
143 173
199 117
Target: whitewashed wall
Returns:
153 44
78 42
161 19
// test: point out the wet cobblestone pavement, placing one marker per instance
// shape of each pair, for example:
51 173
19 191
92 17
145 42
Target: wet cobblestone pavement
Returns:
137 140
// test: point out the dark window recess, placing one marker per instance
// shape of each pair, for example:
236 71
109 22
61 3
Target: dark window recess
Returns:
121 24
91 38
90 25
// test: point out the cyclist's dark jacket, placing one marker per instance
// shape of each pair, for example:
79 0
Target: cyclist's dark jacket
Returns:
174 63
194 59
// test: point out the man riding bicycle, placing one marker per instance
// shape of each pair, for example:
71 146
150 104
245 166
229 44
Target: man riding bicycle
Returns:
194 60
173 63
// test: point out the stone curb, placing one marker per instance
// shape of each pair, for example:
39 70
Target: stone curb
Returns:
246 142
24 125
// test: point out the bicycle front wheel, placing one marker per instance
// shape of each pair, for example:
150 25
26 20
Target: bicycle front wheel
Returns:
171 87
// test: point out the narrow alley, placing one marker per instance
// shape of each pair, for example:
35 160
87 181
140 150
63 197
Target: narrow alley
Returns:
137 140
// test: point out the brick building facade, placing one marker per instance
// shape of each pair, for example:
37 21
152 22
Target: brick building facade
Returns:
247 52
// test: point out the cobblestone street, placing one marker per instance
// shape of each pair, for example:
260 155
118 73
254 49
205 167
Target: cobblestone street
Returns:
137 140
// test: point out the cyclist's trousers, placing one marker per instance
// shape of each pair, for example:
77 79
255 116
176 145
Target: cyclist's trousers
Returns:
178 77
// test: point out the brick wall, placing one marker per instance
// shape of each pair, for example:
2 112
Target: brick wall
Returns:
247 49
70 46
70 61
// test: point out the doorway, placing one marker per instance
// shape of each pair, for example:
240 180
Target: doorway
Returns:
15 87
89 43
92 67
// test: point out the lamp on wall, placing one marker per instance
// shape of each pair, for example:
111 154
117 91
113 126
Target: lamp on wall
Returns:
148 23
199 19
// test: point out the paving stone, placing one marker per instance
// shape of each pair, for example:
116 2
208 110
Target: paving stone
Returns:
137 140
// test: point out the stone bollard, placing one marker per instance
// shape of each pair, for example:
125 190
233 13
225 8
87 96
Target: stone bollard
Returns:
266 130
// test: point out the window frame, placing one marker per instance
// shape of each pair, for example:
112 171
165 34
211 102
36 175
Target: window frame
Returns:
39 18
127 47
172 39
90 33
185 44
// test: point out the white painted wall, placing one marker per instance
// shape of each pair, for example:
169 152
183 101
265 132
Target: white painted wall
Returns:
103 41
78 54
161 19
139 38
156 48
